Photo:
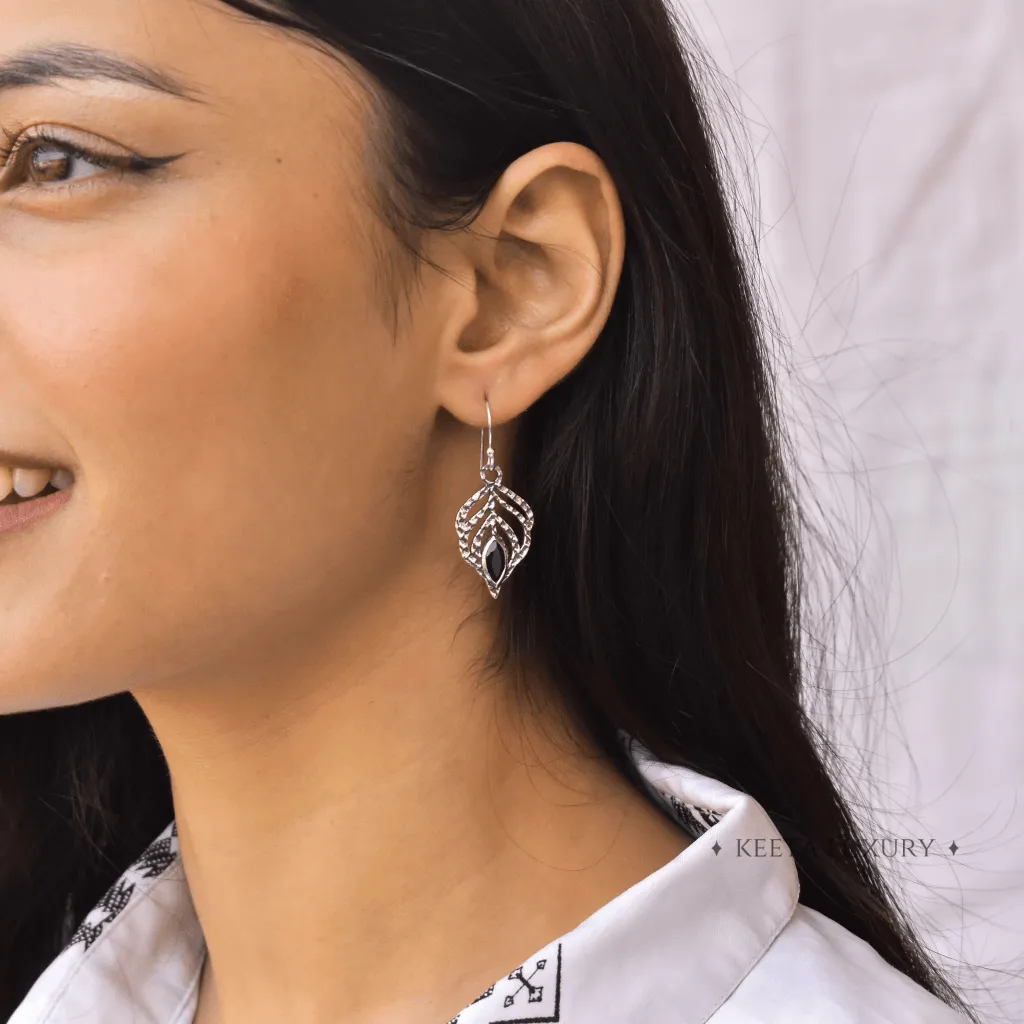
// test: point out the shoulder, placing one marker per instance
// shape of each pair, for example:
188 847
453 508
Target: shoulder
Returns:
816 970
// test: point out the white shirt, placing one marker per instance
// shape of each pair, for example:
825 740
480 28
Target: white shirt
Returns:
715 935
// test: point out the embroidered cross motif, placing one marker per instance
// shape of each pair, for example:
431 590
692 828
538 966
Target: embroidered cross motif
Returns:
534 997
536 991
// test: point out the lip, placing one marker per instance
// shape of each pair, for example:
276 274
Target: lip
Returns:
27 460
16 517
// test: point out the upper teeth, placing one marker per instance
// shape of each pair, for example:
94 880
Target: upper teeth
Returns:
28 482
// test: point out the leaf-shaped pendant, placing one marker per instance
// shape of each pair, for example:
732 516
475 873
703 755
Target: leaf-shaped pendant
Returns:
494 528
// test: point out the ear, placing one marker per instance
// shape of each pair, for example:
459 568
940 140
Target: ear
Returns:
541 263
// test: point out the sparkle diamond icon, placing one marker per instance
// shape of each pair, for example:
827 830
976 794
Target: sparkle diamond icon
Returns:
953 847
716 848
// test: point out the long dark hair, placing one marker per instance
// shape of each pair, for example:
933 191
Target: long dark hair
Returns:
663 596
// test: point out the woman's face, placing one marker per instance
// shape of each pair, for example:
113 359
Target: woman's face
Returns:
199 343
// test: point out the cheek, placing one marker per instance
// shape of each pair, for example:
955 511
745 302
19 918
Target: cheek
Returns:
215 384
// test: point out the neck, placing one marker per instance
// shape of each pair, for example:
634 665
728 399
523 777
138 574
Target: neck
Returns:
357 810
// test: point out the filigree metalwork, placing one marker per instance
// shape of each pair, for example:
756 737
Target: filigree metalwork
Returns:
487 523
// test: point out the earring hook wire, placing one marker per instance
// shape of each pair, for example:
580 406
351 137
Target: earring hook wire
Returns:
490 443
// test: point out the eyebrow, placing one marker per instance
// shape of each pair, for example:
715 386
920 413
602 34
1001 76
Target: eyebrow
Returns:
45 64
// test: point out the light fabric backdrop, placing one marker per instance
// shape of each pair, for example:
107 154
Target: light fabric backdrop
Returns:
886 139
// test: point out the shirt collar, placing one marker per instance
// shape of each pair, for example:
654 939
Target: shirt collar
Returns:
668 950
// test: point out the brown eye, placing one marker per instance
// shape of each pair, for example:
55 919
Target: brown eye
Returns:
49 163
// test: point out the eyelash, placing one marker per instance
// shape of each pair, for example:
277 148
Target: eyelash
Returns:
17 146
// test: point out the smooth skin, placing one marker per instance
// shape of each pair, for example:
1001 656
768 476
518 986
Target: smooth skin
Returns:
260 541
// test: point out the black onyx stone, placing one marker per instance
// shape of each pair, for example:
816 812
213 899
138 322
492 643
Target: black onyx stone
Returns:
494 560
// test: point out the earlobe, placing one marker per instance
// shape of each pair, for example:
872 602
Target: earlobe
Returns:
547 251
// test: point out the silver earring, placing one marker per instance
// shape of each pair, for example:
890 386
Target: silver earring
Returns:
487 537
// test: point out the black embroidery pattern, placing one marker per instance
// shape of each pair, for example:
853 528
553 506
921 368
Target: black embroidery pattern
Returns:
154 861
696 820
114 900
531 994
